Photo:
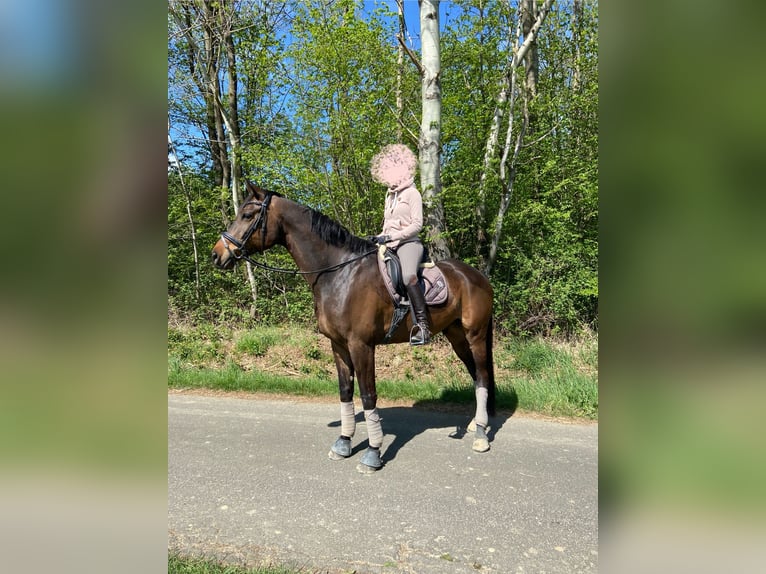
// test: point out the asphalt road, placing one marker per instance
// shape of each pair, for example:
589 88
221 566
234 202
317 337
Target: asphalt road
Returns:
249 481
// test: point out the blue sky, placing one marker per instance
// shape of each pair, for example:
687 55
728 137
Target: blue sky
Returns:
37 43
447 11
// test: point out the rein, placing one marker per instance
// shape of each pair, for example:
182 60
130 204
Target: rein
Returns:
239 252
298 271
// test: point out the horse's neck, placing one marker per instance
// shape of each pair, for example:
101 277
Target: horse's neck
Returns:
307 249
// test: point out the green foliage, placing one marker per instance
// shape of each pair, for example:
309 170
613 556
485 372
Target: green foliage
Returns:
257 341
318 98
555 378
546 274
535 357
199 346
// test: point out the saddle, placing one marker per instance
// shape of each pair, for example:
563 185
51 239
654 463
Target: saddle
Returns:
430 279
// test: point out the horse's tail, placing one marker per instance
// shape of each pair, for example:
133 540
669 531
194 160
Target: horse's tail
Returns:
490 371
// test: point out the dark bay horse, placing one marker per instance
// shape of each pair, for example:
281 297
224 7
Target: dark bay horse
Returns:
354 310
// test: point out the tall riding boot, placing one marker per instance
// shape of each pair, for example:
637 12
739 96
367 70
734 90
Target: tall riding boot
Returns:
420 334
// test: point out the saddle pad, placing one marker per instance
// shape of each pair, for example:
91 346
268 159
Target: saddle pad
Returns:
435 283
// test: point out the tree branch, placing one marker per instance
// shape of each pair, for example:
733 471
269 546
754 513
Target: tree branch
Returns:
411 54
519 56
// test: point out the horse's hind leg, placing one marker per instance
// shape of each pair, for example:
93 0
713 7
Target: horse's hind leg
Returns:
471 348
456 336
342 447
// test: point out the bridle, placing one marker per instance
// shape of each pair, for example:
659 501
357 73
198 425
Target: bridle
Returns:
239 244
260 221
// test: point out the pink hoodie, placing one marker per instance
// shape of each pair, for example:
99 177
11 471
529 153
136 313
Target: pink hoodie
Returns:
403 216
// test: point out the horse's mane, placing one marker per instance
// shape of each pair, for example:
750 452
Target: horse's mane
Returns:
328 230
333 233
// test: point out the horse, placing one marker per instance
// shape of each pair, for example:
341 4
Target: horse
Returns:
354 310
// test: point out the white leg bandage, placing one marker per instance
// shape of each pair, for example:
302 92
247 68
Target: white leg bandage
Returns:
347 420
481 417
374 428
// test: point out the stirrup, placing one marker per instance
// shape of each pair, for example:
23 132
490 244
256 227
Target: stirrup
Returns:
419 336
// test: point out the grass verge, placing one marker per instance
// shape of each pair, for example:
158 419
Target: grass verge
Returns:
554 378
184 565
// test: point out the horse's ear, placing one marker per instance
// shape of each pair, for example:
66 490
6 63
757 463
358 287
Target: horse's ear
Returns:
258 192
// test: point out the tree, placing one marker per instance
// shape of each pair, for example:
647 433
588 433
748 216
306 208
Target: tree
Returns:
506 101
502 107
429 145
176 163
343 95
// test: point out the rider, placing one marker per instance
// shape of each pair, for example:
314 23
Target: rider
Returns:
394 166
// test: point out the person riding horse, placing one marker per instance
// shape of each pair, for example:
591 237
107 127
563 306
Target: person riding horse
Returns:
394 166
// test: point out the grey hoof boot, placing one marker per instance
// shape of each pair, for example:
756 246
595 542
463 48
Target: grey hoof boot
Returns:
370 461
341 449
481 442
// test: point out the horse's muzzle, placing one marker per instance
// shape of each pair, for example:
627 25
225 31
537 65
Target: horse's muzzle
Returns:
222 257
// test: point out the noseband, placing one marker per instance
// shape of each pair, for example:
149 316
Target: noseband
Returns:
259 221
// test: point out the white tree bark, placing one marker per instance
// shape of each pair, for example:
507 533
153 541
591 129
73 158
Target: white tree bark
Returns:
400 71
235 146
192 227
502 104
429 146
230 119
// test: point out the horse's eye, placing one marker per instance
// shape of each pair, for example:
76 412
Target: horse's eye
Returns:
248 215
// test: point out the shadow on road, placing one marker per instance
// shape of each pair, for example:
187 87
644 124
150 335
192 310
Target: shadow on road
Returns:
405 423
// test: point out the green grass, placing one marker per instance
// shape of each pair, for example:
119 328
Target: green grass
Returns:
184 565
556 380
232 377
544 376
257 341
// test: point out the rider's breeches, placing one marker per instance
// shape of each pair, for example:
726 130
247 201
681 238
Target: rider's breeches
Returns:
410 254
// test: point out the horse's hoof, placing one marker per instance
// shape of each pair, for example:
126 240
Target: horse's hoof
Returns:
340 450
481 442
370 461
480 445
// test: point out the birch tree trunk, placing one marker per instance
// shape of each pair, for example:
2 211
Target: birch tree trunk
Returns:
528 19
577 15
502 106
400 72
527 52
230 117
192 227
429 146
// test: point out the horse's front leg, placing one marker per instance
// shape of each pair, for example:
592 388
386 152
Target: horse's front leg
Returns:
363 357
342 447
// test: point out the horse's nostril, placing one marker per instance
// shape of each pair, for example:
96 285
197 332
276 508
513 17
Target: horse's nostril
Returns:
214 257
